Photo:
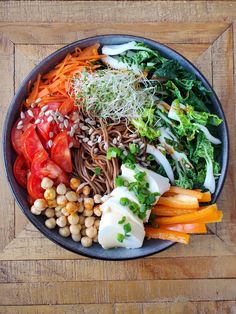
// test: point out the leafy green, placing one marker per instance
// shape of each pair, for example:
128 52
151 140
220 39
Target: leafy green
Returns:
97 171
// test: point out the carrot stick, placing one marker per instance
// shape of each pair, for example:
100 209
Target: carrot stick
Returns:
161 210
206 197
208 214
179 201
188 228
158 233
179 190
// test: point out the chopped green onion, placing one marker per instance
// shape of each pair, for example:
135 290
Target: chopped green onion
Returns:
124 201
113 152
127 228
120 222
97 171
119 181
140 175
120 237
134 149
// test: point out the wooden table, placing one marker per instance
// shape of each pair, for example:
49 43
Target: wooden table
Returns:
39 277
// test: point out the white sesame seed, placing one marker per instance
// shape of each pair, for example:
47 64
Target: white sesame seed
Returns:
50 142
51 134
72 132
142 145
30 113
20 122
50 119
90 131
105 146
99 139
44 108
60 118
70 144
90 143
114 141
81 136
22 115
95 150
37 121
92 122
84 128
38 100
61 125
47 113
19 127
66 123
118 138
85 140
87 120
75 126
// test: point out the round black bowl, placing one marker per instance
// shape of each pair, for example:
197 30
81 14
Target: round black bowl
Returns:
149 246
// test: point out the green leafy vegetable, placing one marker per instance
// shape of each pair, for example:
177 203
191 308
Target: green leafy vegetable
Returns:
97 171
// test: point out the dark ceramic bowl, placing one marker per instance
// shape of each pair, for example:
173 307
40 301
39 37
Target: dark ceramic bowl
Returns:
149 246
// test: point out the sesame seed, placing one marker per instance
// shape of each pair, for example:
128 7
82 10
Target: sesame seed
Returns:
90 143
114 141
60 118
81 136
37 121
118 138
75 126
51 134
66 123
22 115
30 113
44 108
90 131
20 122
19 127
105 146
47 113
85 140
92 122
99 139
38 100
87 120
50 119
50 142
84 128
72 132
61 125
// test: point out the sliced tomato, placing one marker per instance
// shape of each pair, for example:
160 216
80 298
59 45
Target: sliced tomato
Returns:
43 166
60 152
20 170
66 107
16 133
34 186
31 144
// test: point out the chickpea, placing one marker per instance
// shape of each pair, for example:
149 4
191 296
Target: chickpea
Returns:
95 239
71 196
73 219
91 232
97 211
97 223
50 194
71 207
50 223
75 229
74 183
97 198
40 204
89 221
35 211
88 203
46 183
61 221
52 203
50 213
64 232
80 207
81 219
83 232
86 241
87 212
64 212
61 200
76 237
86 190
58 213
58 208
61 189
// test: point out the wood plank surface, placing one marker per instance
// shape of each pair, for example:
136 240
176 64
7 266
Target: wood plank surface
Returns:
37 276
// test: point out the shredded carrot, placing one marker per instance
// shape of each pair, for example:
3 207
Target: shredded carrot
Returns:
158 233
188 228
161 210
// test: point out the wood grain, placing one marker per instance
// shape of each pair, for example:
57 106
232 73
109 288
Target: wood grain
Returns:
37 276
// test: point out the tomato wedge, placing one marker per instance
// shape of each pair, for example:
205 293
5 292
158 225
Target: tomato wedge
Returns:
60 152
45 126
31 144
16 133
34 186
43 166
66 107
20 170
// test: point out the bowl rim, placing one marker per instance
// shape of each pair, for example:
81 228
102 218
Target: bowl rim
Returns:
172 54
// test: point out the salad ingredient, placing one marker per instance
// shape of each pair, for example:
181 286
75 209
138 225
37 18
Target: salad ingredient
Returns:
179 201
161 210
20 170
34 188
187 228
175 236
178 190
206 197
46 183
60 152
208 135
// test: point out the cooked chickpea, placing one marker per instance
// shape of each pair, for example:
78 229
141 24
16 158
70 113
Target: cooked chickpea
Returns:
71 207
81 220
89 221
50 223
97 211
64 212
58 208
83 232
97 198
61 200
74 183
88 203
40 204
71 196
86 190
61 221
86 241
50 194
75 229
87 212
35 211
95 239
97 223
64 232
76 237
58 213
91 232
80 207
61 189
73 219
52 203
49 212
46 183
